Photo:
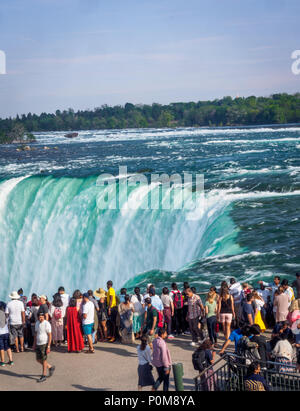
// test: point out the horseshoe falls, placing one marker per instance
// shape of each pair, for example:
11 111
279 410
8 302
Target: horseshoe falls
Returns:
245 225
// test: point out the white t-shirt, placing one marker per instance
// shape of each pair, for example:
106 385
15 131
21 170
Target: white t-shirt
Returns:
138 307
166 300
4 330
42 329
65 298
89 309
14 308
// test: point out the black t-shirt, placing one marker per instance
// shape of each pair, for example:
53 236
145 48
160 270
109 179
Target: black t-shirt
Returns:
43 309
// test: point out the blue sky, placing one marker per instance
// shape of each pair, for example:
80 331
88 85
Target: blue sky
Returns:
85 53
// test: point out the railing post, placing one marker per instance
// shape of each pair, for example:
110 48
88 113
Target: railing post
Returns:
178 374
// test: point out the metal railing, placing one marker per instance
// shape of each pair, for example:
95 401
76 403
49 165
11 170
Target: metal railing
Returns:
230 371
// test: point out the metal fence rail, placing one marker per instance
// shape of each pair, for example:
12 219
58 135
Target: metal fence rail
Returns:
229 372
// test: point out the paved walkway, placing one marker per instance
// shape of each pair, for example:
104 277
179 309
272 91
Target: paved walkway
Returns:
113 367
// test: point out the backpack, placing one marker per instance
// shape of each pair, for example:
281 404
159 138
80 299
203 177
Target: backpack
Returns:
57 314
160 319
178 300
199 360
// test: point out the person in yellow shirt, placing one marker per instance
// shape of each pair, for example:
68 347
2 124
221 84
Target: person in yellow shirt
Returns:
112 309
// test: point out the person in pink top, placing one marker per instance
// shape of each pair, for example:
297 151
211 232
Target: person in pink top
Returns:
161 360
294 312
281 302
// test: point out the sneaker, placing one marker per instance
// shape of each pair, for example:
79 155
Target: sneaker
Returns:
194 344
187 333
10 363
2 364
51 371
42 379
171 337
112 339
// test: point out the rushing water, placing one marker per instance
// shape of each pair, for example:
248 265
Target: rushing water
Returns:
52 231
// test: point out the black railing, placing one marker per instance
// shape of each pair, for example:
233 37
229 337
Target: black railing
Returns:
230 371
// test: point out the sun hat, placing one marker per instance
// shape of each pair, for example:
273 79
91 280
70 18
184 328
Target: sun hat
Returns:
14 295
295 328
100 293
43 296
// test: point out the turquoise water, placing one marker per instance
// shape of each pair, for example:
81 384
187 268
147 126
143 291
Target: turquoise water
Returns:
53 232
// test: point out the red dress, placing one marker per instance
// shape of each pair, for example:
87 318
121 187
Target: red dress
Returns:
75 339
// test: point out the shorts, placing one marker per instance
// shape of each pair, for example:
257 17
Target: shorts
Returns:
41 352
88 329
16 331
226 318
4 342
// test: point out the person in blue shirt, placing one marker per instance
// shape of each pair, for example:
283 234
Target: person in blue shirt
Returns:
235 336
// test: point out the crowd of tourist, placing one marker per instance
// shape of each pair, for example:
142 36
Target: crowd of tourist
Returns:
241 313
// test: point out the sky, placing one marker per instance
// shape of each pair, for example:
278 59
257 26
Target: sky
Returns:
86 53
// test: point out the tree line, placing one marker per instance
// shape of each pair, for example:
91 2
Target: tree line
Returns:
276 109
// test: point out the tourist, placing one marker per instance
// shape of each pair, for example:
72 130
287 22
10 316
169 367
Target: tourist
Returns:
211 316
296 331
42 344
235 336
281 303
225 310
145 368
279 329
43 308
272 286
256 337
235 289
126 310
33 305
265 294
161 360
259 303
146 295
122 295
150 321
168 311
248 313
203 359
246 289
296 284
253 380
102 313
88 319
178 302
155 300
74 333
16 315
139 311
4 337
23 297
57 313
112 310
246 348
96 307
294 312
195 310
65 300
79 301
185 309
283 353
288 290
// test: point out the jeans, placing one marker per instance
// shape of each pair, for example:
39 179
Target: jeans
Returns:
162 377
195 331
211 324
